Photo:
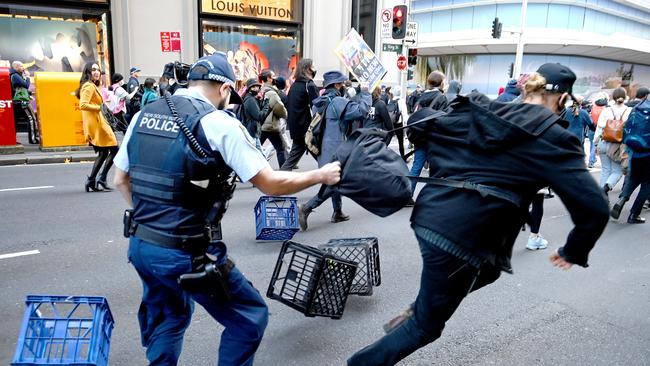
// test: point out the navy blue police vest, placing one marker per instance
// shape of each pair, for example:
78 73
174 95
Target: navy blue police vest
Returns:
173 188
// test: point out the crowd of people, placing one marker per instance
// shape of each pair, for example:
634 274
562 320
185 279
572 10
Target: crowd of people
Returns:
495 158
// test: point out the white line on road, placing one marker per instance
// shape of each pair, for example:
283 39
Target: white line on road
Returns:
19 254
25 188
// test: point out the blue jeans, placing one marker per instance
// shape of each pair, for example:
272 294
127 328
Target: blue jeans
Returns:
419 158
323 194
166 310
592 149
445 282
612 171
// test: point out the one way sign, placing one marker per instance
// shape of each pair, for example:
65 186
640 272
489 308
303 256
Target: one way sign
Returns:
411 36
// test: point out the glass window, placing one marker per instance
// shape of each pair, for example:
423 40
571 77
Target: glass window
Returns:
536 15
483 16
461 18
421 4
441 21
509 14
366 18
558 16
442 2
576 17
590 21
50 39
252 48
424 22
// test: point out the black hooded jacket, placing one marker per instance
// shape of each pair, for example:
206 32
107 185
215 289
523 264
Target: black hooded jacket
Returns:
517 147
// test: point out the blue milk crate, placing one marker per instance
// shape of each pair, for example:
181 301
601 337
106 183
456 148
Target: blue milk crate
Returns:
64 330
276 218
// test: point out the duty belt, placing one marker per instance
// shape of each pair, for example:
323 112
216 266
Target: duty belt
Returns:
192 243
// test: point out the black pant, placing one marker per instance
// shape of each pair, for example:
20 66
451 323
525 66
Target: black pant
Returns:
298 149
25 110
639 176
536 213
445 282
277 142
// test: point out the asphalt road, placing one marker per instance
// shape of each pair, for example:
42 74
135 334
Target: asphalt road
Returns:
538 316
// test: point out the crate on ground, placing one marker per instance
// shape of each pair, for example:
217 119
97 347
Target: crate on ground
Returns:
276 218
64 330
365 252
311 281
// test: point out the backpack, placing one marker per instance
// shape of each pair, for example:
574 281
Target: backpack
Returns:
112 102
393 110
637 128
316 130
613 131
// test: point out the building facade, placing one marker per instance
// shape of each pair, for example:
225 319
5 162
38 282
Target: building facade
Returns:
62 35
606 42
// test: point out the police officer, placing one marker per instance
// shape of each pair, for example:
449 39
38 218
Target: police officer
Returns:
178 185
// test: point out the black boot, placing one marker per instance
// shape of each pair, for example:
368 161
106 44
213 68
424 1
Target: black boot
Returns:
339 216
606 189
615 213
303 213
101 182
91 185
635 219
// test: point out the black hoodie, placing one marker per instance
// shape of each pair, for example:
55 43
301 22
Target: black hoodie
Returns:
517 147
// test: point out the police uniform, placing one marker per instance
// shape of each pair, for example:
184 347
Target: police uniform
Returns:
171 198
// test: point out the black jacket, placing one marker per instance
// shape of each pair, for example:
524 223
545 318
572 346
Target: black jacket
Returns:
380 118
300 98
253 114
434 99
520 148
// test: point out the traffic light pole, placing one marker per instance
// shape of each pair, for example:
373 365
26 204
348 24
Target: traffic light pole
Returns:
519 56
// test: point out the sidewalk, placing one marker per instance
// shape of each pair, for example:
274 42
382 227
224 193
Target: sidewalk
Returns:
33 155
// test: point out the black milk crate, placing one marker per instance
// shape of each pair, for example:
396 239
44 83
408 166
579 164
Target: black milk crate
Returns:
311 281
276 218
365 252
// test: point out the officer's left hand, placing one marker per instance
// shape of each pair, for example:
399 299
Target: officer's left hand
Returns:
331 173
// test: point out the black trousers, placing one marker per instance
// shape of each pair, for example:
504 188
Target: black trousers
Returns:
276 141
298 149
24 109
639 176
446 280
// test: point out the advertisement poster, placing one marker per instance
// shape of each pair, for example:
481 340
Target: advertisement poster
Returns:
249 54
48 45
359 59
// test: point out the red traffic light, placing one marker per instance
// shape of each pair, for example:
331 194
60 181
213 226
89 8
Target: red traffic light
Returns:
400 12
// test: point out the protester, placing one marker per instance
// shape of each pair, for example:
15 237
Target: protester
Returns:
340 114
611 155
253 110
434 99
510 93
639 172
641 95
301 95
281 84
97 132
535 240
596 110
579 120
378 117
150 95
177 204
117 98
271 124
21 96
132 88
491 159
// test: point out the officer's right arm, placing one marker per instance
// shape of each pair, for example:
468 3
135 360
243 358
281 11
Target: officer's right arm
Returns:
277 183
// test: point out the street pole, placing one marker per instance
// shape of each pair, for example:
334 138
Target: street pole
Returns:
404 73
519 57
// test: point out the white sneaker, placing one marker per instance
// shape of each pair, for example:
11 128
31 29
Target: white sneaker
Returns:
536 243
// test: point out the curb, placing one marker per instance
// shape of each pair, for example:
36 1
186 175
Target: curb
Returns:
33 160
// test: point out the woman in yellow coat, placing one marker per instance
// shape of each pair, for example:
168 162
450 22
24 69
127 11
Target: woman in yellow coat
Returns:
97 131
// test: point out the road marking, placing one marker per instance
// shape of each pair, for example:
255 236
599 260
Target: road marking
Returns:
19 254
25 188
